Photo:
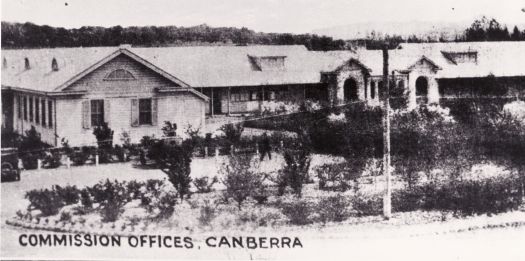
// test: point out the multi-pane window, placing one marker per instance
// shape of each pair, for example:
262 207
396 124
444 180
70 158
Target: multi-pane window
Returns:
145 111
37 110
50 113
237 96
97 112
31 109
43 112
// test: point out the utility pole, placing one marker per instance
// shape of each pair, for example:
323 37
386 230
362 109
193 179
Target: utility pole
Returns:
387 205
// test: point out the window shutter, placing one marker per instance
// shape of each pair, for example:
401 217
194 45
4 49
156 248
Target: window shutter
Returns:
154 111
134 112
86 114
106 112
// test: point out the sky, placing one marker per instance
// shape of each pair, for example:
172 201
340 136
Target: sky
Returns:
294 16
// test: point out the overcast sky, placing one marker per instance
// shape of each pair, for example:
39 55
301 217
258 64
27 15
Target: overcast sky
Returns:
297 16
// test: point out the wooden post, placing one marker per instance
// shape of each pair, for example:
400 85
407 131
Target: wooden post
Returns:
231 149
211 109
216 152
387 206
206 151
96 160
38 164
229 97
68 162
256 148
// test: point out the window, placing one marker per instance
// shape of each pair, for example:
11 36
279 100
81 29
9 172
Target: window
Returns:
239 96
145 111
97 112
254 96
31 109
26 64
373 90
50 113
43 112
119 75
25 108
54 65
37 110
19 107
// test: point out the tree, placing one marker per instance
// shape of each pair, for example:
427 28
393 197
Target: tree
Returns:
516 34
175 161
241 178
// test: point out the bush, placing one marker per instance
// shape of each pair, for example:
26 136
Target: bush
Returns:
85 199
52 160
47 201
365 205
69 194
32 141
335 177
207 213
233 132
30 160
204 185
295 172
240 178
65 217
333 208
80 157
465 197
121 153
169 129
298 211
175 161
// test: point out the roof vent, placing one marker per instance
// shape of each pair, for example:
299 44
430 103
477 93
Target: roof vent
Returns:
267 63
54 65
26 64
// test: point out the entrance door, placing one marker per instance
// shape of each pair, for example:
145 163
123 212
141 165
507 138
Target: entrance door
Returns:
350 90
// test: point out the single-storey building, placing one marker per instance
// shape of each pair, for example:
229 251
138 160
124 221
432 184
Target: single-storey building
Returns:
65 92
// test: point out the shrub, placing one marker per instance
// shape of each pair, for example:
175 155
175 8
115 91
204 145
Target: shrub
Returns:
69 194
158 196
295 172
30 160
240 178
65 217
121 153
204 185
85 199
298 211
52 160
133 189
112 197
175 161
47 201
333 208
335 177
466 197
207 213
32 141
80 157
104 136
233 132
367 205
169 129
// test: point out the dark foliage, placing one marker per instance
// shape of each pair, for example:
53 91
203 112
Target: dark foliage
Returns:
333 208
28 35
47 201
240 178
204 184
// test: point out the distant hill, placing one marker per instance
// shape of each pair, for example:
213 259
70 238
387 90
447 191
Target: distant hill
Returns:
29 35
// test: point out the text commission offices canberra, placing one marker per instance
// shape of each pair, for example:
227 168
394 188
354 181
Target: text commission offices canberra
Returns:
154 241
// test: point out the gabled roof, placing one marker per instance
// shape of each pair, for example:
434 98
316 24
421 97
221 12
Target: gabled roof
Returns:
427 60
